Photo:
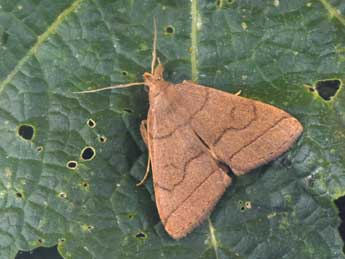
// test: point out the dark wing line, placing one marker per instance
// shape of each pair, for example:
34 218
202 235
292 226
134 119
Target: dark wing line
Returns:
184 173
187 121
235 129
259 136
196 188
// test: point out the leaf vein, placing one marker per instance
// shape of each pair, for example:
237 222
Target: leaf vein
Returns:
40 40
213 238
333 12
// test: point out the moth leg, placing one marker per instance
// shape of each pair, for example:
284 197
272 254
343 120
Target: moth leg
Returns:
143 180
143 131
238 93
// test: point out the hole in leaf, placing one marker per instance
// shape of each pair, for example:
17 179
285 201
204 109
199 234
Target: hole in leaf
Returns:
90 228
169 29
61 240
340 202
91 123
88 153
248 205
102 139
124 73
26 132
85 184
131 215
311 89
40 241
72 164
242 209
19 195
141 235
39 149
328 88
63 195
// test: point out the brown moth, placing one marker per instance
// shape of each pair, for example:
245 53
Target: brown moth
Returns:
194 134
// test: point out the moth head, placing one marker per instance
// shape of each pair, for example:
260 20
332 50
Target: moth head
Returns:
156 76
148 78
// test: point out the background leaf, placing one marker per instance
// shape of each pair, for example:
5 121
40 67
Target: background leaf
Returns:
274 51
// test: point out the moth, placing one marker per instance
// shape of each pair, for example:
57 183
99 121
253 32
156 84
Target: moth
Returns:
195 135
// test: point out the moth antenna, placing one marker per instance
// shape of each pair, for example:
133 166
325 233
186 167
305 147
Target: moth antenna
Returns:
111 87
146 173
154 50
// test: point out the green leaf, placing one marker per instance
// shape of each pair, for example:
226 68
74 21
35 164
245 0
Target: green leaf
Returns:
274 51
